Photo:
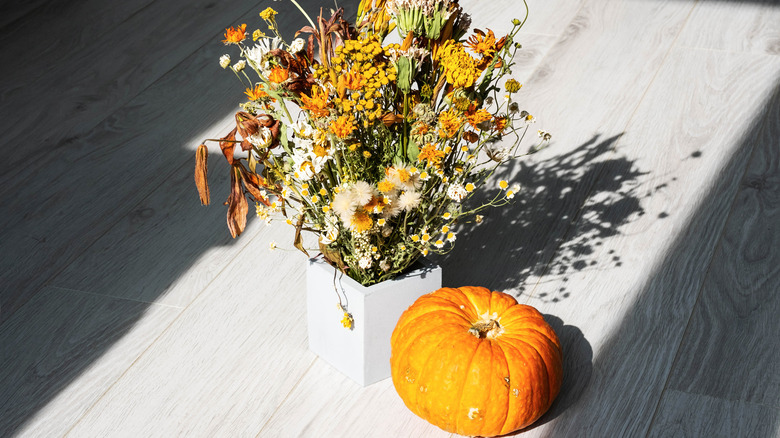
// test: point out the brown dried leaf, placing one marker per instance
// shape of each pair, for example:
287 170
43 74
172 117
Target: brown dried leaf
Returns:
237 205
332 256
390 118
298 242
253 183
201 174
228 144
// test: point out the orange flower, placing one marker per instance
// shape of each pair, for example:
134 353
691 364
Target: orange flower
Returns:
234 35
501 123
481 43
342 127
354 80
317 103
256 93
278 75
475 117
449 124
431 154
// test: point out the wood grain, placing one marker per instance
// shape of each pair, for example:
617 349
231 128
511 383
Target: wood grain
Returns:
734 26
692 415
107 171
63 351
730 349
584 91
168 248
226 364
633 310
327 404
108 73
69 36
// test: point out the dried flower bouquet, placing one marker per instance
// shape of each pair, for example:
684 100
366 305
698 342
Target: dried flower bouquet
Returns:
374 146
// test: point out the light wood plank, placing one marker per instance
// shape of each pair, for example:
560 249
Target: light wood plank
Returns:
633 312
225 365
584 92
63 350
692 415
731 349
327 404
739 26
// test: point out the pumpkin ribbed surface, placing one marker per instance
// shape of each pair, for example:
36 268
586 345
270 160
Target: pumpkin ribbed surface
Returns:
475 362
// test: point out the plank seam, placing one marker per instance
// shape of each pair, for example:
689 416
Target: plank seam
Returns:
289 393
71 290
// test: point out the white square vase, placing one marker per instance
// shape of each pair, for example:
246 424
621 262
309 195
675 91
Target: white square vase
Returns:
363 352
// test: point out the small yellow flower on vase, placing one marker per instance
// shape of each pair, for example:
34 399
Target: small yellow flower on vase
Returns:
347 321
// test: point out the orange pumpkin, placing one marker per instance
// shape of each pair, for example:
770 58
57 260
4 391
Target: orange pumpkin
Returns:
475 362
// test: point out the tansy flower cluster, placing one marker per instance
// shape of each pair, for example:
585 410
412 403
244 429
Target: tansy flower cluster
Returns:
377 148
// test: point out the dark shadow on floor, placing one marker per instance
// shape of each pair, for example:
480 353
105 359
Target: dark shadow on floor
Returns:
631 371
518 241
113 207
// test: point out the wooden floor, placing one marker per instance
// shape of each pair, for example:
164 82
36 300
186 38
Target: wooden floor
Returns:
648 233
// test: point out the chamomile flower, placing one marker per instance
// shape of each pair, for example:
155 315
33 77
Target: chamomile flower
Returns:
224 61
457 192
512 191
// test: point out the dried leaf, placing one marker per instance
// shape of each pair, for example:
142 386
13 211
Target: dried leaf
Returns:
298 242
332 256
237 205
253 183
228 144
390 118
470 136
201 174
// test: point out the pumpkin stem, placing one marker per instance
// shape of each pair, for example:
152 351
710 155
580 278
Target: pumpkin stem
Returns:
486 329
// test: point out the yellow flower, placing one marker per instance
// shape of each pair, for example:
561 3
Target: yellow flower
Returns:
268 14
323 192
512 86
449 123
360 222
415 238
342 127
461 70
503 184
469 187
234 35
445 229
257 34
347 321
385 186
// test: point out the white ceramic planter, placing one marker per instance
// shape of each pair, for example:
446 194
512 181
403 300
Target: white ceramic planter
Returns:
362 353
